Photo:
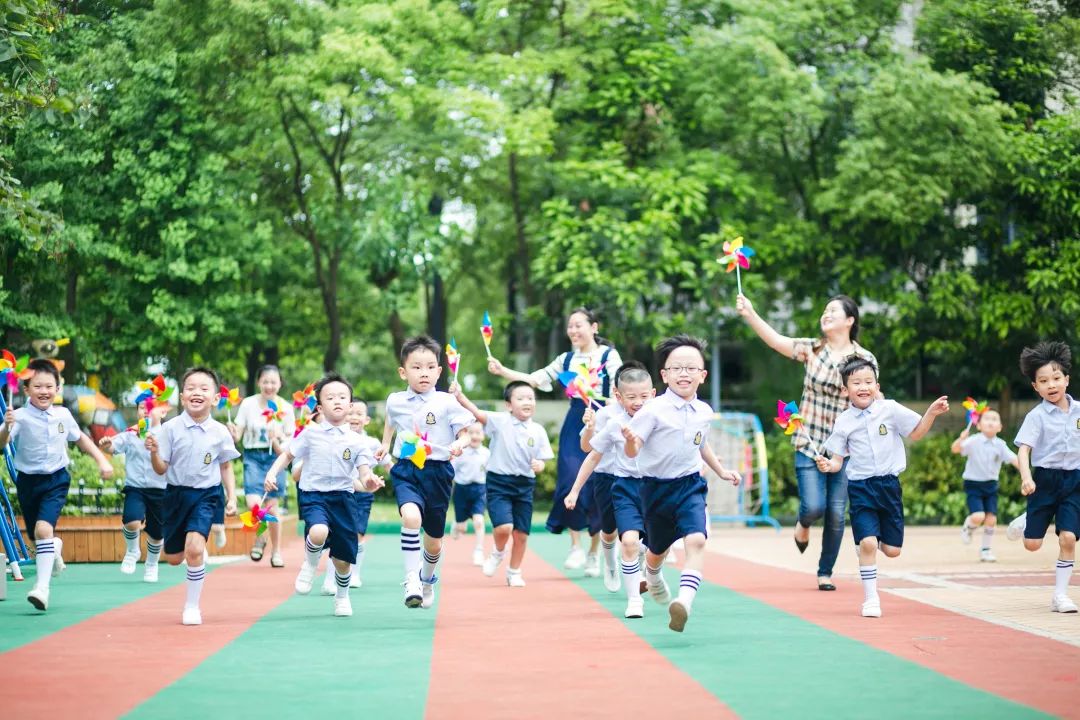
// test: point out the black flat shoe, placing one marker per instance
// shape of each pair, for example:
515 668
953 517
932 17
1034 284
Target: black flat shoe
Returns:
801 545
826 585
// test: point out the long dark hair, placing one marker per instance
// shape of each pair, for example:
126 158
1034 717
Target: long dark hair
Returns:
851 310
592 318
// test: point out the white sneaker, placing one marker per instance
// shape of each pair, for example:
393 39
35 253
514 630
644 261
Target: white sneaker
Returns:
219 535
150 575
491 564
59 565
39 598
660 592
592 565
1062 604
192 616
354 579
872 608
575 560
304 578
965 535
514 579
678 614
1016 528
612 579
478 557
455 531
342 607
127 565
329 584
986 555
413 592
427 592
635 608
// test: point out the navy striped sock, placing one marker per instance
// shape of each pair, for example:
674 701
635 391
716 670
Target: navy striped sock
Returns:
868 573
153 552
410 550
427 571
631 572
689 582
313 552
195 577
1062 575
342 583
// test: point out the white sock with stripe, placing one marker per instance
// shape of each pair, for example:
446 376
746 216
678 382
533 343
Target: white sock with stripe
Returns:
611 563
1061 577
195 577
689 582
410 550
631 575
652 575
131 541
988 537
44 557
313 552
153 552
431 561
342 583
868 573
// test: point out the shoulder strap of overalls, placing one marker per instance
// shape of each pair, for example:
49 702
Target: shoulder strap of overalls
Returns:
567 359
606 389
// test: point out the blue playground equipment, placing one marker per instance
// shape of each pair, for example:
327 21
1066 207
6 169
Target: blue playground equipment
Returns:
739 442
10 535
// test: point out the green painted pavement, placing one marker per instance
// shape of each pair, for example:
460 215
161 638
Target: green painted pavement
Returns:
81 592
765 663
301 661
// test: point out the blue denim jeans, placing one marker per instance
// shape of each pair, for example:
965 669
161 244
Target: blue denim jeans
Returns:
822 495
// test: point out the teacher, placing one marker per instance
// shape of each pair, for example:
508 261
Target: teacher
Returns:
587 348
820 494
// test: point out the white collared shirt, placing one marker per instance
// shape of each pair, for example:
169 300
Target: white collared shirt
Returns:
41 438
195 451
471 467
138 472
985 456
332 456
1053 435
673 431
873 438
608 440
515 444
436 413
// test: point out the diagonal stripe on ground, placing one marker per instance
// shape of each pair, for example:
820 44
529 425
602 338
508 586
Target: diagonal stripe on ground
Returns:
299 661
108 664
1024 668
764 663
546 650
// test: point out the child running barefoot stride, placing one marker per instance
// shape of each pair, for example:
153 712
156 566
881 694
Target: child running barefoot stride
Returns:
870 433
41 432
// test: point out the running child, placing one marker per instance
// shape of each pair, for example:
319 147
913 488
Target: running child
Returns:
985 453
470 490
870 432
194 452
41 431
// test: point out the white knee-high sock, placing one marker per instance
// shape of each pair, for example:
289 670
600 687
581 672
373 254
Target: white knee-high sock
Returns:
312 552
869 581
359 556
153 552
342 583
988 537
431 561
631 575
44 557
610 561
131 541
689 582
1061 576
410 550
195 577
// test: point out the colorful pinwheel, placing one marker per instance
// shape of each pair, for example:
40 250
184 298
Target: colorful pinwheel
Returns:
13 370
272 413
301 422
452 357
141 428
975 411
487 332
305 398
736 257
257 518
584 383
414 447
788 417
153 393
228 399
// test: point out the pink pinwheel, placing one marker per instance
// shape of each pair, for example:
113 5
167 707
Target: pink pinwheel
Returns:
257 518
788 417
453 358
736 257
975 411
487 332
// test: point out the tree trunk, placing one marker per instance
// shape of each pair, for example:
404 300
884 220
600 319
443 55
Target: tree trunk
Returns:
397 331
521 243
67 353
252 365
437 317
333 313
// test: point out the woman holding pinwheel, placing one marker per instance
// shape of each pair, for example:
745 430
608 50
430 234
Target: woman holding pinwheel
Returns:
820 494
591 351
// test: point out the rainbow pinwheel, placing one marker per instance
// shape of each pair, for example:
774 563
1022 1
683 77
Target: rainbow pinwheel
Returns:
13 370
452 357
487 332
975 411
305 398
414 447
737 257
788 417
228 399
141 428
301 422
257 518
153 393
272 413
584 383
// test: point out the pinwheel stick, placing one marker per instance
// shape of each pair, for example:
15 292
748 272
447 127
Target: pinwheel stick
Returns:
813 447
738 278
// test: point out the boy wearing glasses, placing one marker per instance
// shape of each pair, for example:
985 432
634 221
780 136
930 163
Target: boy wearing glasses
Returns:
668 438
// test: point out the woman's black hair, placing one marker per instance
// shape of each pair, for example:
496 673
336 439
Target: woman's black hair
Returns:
265 369
851 310
591 316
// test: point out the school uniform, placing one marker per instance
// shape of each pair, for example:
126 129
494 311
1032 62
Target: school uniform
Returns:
331 454
510 478
673 492
442 417
614 469
1053 435
42 481
194 496
363 500
144 489
985 457
470 489
872 440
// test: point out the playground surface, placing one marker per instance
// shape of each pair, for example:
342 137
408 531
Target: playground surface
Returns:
958 639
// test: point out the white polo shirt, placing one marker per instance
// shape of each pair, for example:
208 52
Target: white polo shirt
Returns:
194 451
515 444
438 414
41 438
872 439
673 431
332 456
1053 435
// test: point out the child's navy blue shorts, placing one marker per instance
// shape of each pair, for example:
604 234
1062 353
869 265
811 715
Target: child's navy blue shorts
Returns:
673 509
1057 499
982 496
185 510
877 509
628 507
429 489
510 500
469 500
42 497
601 488
219 511
144 504
362 505
593 510
337 511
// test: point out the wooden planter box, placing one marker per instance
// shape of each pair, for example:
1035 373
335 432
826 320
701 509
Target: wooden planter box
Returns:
97 538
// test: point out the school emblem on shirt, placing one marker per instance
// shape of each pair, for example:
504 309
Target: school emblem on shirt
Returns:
697 438
430 419
1077 425
347 455
532 441
60 427
882 430
206 459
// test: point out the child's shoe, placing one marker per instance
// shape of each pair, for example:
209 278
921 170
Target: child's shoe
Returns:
575 560
1062 604
192 616
329 585
304 578
342 607
635 608
987 555
612 581
219 535
414 595
150 575
492 564
592 565
427 592
127 565
660 592
965 534
678 614
354 579
39 598
514 578
872 608
478 557
276 560
1016 528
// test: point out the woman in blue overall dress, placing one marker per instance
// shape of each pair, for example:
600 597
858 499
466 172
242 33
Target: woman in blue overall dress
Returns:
592 350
